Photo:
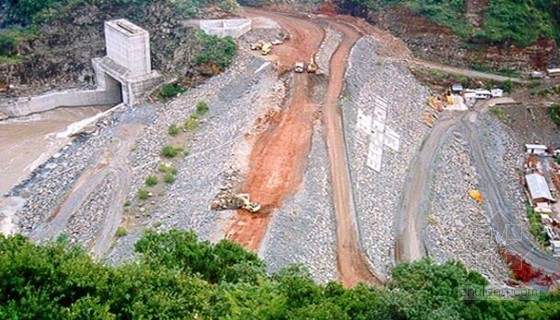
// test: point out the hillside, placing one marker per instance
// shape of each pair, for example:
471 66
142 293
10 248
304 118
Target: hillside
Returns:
46 45
496 35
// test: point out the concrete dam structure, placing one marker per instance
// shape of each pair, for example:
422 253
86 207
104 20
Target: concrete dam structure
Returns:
226 27
124 75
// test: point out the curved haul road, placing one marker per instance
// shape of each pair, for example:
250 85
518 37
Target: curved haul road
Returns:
113 164
353 266
409 244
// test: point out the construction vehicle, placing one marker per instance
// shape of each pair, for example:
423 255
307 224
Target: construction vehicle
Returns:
299 67
312 66
266 48
252 207
257 45
476 195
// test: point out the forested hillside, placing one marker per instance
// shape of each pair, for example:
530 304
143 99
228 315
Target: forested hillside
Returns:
520 22
177 277
49 44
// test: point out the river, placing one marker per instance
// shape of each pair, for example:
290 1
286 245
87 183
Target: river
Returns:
26 142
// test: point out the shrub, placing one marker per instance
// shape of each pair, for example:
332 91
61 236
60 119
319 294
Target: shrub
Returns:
169 177
143 194
151 181
507 86
121 232
173 130
554 113
170 90
8 45
215 51
170 151
192 123
498 113
162 168
202 108
127 203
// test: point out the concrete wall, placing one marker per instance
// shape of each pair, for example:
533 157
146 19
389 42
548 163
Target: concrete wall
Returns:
129 46
26 106
226 27
124 75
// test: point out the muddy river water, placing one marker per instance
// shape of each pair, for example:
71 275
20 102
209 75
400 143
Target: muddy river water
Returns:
26 142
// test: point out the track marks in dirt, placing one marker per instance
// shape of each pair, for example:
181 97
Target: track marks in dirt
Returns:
353 266
279 155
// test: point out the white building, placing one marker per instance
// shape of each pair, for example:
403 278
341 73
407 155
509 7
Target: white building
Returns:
537 149
538 189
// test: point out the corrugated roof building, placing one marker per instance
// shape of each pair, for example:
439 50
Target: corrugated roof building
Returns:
538 188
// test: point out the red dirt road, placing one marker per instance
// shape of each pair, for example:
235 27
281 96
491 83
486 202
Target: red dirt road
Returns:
353 266
279 156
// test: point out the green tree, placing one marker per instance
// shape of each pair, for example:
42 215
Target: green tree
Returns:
224 261
214 50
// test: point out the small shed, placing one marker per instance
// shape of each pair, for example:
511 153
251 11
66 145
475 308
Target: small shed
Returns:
555 244
537 149
457 88
538 189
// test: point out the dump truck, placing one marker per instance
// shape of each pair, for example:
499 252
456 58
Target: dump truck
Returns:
299 67
312 66
252 207
266 48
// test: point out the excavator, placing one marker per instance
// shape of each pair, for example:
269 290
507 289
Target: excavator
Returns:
252 207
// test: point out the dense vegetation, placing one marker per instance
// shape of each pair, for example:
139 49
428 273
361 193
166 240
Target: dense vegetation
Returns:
176 276
520 22
25 12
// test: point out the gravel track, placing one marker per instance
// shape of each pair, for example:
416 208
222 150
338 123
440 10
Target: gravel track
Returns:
303 230
457 227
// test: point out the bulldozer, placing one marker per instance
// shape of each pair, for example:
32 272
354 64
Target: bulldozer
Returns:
266 48
312 66
252 207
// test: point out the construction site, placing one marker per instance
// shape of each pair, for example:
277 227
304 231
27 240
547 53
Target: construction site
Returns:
319 145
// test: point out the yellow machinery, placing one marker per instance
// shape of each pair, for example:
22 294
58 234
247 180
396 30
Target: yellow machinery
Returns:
312 66
476 195
266 48
252 207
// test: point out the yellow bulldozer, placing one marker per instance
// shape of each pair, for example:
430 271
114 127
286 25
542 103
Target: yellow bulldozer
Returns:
252 207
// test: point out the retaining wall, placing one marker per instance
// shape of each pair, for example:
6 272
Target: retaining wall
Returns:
229 27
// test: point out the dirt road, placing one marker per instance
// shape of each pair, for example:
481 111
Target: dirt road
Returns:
507 230
464 72
409 243
279 155
353 266
113 163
